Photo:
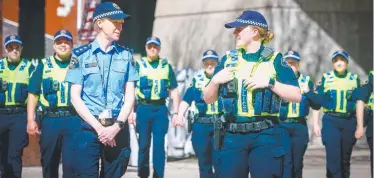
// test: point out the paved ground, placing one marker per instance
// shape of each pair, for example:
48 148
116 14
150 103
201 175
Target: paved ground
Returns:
314 167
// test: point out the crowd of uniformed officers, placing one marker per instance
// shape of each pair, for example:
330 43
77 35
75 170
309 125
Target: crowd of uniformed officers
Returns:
248 110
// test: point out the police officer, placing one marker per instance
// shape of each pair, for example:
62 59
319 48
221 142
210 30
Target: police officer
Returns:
157 81
14 78
56 115
339 123
204 116
251 80
102 78
293 120
366 96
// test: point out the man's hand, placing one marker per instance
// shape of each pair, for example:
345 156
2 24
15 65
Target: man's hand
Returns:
317 130
132 118
256 82
32 128
108 133
224 76
359 132
177 120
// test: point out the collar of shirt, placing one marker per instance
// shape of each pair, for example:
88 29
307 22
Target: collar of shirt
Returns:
341 76
252 56
96 47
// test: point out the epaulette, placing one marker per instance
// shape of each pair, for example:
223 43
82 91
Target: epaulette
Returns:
80 50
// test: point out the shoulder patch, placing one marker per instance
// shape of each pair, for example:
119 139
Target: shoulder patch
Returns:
74 63
80 50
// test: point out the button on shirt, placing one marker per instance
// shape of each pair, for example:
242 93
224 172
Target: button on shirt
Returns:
103 76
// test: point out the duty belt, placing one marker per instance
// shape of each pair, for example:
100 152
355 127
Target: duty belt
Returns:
341 115
12 110
106 121
59 114
249 127
300 120
159 102
206 120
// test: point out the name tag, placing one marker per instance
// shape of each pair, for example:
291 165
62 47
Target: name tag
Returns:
106 114
119 59
89 65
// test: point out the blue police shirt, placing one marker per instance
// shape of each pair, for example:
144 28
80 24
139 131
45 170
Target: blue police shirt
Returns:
103 75
190 93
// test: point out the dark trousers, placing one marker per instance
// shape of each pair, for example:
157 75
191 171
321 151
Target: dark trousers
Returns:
295 139
56 138
151 121
14 139
260 153
338 136
88 150
203 145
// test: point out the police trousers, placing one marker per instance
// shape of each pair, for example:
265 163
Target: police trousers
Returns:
295 140
260 153
56 138
151 121
338 136
14 139
369 139
88 150
203 145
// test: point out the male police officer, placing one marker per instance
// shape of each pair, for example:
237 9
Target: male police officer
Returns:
366 95
103 93
204 116
339 123
14 79
157 80
56 115
293 120
251 80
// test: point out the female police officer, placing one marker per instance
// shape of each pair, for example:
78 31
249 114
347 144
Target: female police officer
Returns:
14 79
366 95
293 120
339 124
204 116
251 80
59 121
102 92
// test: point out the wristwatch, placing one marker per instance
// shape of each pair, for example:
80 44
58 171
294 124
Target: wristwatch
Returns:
271 83
121 124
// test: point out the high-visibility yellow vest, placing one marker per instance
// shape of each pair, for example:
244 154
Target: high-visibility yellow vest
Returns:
338 91
154 82
53 74
15 82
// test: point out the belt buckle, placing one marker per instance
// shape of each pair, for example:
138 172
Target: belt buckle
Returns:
257 126
102 121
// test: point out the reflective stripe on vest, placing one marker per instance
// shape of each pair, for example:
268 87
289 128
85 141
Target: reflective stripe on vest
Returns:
156 75
17 80
262 102
298 109
52 71
201 82
337 90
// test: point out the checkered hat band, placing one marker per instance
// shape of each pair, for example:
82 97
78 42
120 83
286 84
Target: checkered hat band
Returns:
11 41
107 14
251 22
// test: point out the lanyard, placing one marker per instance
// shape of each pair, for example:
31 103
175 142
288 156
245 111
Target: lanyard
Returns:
103 83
